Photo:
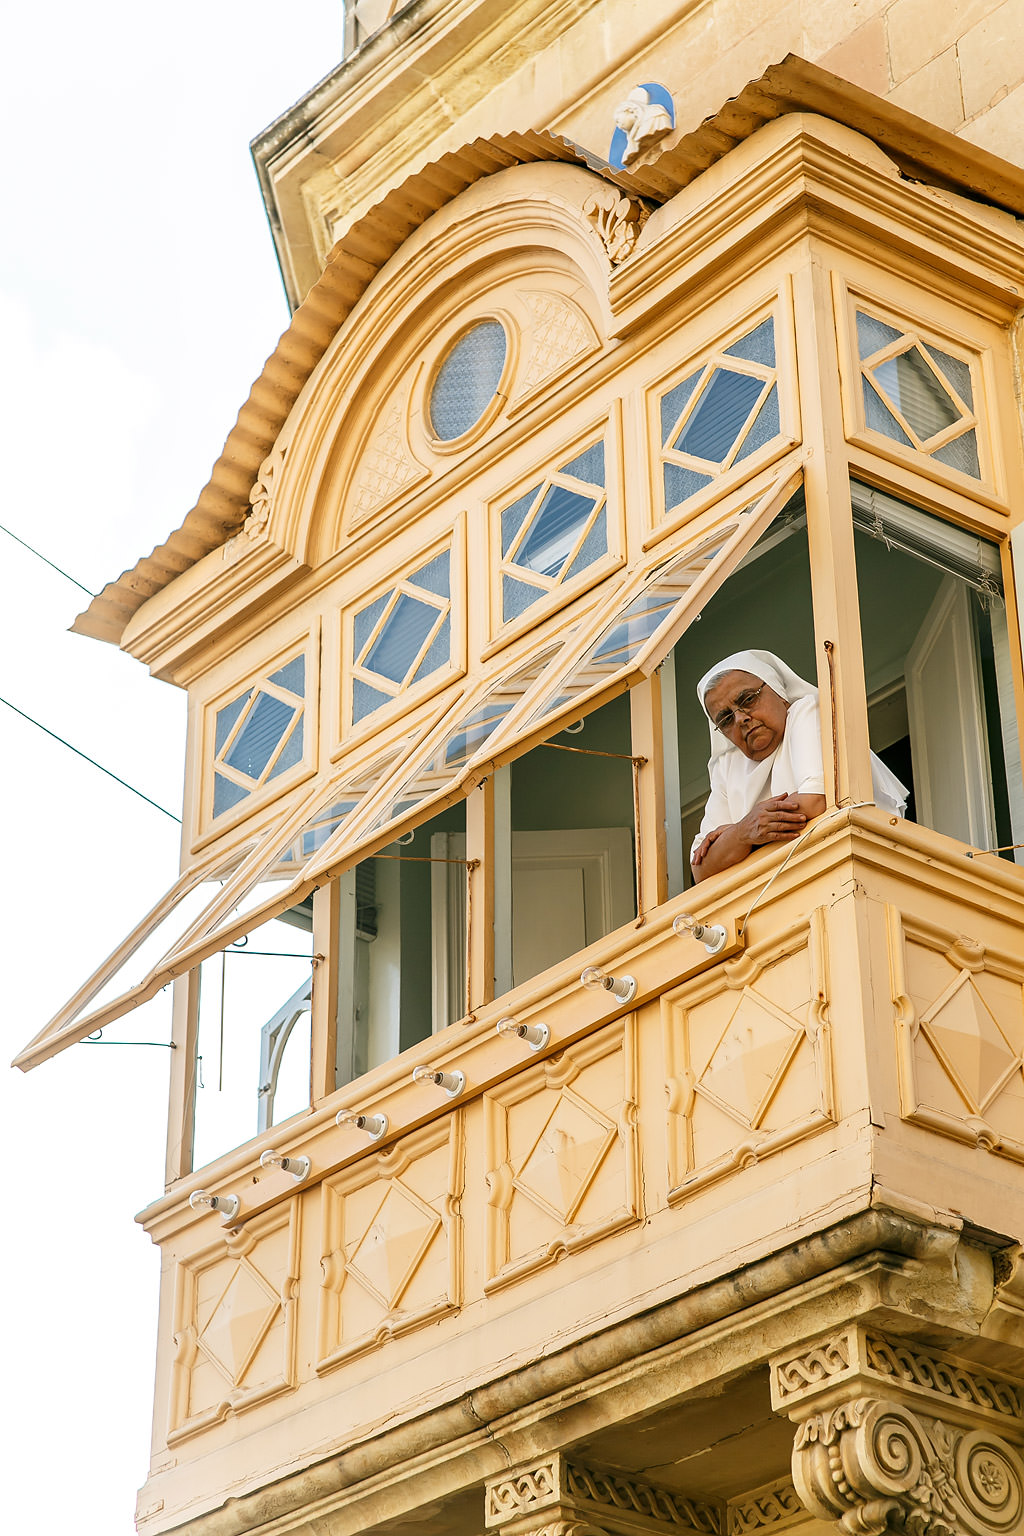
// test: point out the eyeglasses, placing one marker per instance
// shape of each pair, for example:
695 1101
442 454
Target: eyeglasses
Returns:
742 704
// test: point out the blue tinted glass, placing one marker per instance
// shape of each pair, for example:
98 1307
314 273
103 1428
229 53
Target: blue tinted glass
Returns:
474 731
957 372
589 465
878 416
765 426
365 620
264 726
719 415
758 346
292 677
398 644
593 547
291 753
227 716
873 335
226 794
434 577
366 699
915 390
555 528
516 597
673 403
513 517
467 379
961 454
680 484
438 652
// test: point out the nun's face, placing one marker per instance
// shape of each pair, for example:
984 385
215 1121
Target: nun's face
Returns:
748 713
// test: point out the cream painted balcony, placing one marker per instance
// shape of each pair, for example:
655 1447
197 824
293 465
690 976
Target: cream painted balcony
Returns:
786 1108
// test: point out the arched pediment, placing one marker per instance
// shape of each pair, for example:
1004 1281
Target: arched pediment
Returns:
515 257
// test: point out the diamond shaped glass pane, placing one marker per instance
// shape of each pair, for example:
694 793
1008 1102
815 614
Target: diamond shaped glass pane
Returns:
467 379
365 620
961 454
264 726
292 676
556 526
674 403
399 642
593 547
588 466
682 483
758 346
290 754
914 389
434 576
227 716
765 426
719 415
957 372
873 335
513 517
439 651
879 418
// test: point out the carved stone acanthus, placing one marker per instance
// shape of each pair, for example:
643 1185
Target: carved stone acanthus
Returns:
618 220
261 503
555 1497
873 1466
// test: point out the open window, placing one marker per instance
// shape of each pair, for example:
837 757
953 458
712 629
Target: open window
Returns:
764 605
937 668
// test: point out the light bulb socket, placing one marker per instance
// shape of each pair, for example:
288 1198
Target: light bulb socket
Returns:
536 1036
712 935
374 1125
298 1167
227 1205
452 1082
621 987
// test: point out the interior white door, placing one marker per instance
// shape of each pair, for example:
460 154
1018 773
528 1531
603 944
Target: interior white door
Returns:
570 886
945 709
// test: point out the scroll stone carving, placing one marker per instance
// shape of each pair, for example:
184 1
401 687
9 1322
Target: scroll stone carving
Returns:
618 220
873 1465
556 1497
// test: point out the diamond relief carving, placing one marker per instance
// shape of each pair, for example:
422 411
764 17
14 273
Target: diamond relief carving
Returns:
959 1013
562 1155
392 1243
388 1253
564 1161
239 1321
749 1057
234 1323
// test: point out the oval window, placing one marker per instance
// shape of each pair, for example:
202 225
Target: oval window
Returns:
466 382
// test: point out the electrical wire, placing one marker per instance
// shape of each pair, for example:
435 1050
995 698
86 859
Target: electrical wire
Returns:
78 753
25 545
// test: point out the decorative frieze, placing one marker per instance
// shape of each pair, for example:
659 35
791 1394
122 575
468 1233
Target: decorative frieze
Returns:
873 1465
555 1493
771 1509
865 1359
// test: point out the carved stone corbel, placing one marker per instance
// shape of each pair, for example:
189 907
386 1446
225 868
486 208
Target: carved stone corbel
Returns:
873 1465
893 1436
557 1497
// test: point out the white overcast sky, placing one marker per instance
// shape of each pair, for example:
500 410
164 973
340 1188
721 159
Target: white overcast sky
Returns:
139 297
